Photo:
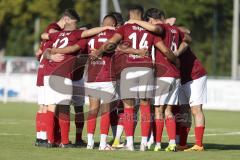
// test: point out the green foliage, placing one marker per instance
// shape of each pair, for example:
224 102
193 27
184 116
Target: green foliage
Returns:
210 22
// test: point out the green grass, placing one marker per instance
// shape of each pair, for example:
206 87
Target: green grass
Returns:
17 135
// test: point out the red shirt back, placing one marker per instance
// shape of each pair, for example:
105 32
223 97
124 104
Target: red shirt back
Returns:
136 37
63 39
101 70
172 38
191 68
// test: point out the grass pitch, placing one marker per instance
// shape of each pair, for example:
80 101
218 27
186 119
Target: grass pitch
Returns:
17 135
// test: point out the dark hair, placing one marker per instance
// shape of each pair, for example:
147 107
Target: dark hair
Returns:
71 13
118 17
136 7
154 13
111 16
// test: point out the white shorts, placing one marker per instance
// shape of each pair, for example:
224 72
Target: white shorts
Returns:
78 98
57 90
166 91
106 91
137 82
40 95
194 92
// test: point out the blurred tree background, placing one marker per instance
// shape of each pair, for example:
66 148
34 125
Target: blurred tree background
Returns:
210 22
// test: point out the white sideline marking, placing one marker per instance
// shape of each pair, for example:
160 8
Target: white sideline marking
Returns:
10 134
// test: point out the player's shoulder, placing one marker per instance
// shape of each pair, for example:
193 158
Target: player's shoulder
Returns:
53 25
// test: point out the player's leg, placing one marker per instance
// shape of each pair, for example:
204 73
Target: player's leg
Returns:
185 126
198 95
78 100
159 125
91 120
104 126
145 111
64 123
129 122
120 126
171 127
79 123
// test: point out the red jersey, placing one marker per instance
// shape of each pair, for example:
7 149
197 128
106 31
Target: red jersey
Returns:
191 68
101 70
45 44
54 26
136 37
63 39
172 38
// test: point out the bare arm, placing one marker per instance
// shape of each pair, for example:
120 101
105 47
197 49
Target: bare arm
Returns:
110 45
182 48
66 50
148 26
94 31
129 50
53 57
168 53
45 36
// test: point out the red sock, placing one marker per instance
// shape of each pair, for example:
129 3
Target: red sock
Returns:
44 122
91 123
57 131
171 128
50 126
145 120
159 123
199 131
183 135
105 123
64 123
38 122
79 123
129 121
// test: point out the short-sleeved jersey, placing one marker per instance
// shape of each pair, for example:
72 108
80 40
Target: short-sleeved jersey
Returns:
101 70
54 26
63 39
136 37
191 68
43 45
172 38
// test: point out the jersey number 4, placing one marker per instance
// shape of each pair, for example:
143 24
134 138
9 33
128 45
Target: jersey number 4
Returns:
143 43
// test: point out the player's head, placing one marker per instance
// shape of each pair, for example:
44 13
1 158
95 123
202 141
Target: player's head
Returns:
154 14
135 12
109 20
118 17
70 17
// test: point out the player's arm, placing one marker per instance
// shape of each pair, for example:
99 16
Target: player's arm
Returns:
54 57
148 26
66 50
171 21
45 36
129 50
108 46
186 40
94 31
168 53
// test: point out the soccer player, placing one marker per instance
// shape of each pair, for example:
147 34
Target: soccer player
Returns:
136 80
69 37
41 114
167 79
193 92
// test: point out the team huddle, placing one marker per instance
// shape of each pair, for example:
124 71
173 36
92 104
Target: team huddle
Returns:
144 64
